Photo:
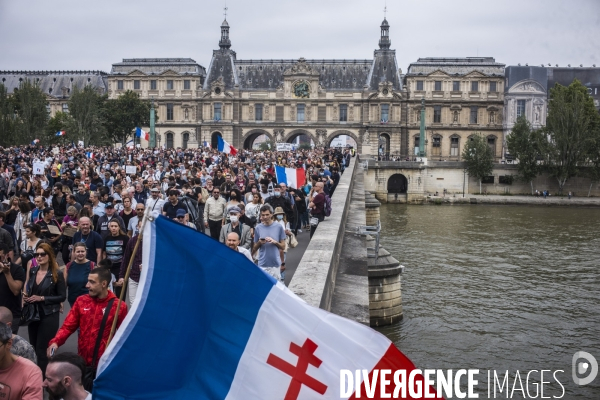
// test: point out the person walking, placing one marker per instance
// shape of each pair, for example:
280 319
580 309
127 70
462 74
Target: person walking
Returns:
114 249
269 239
45 288
213 213
76 273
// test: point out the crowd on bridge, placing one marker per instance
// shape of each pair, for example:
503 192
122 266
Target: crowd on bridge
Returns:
70 218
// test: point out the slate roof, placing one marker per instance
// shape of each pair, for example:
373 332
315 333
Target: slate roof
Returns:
456 66
52 82
516 74
156 66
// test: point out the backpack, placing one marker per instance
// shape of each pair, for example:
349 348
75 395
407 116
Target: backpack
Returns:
327 207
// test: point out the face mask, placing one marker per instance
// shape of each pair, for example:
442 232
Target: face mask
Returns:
234 218
280 217
277 194
233 197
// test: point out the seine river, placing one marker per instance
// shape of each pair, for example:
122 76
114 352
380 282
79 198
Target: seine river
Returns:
498 288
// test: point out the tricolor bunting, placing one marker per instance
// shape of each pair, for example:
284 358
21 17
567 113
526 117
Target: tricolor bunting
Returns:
209 324
225 147
61 133
293 177
139 132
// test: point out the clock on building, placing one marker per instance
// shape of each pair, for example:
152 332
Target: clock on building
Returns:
301 89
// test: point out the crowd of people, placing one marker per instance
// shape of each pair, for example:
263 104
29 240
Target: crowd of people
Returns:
71 217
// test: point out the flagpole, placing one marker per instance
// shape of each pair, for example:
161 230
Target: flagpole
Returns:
126 279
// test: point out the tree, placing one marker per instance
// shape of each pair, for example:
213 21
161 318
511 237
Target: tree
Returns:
60 122
524 143
478 157
30 105
570 128
8 120
86 107
124 113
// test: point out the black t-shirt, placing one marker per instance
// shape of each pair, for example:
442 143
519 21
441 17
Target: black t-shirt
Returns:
171 209
7 298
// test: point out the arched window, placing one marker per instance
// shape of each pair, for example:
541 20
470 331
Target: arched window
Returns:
417 140
169 140
454 145
436 145
214 139
491 141
186 137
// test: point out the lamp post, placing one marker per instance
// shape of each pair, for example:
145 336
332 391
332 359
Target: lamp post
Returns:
152 130
422 151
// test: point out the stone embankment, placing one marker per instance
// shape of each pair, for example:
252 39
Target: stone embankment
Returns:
515 200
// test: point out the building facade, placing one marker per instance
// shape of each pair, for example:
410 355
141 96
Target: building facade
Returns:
463 96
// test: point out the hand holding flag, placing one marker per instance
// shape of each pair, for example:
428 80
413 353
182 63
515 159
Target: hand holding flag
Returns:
142 134
225 147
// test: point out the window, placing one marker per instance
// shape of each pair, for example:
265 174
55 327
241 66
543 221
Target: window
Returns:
474 111
493 87
474 86
385 112
217 111
419 85
258 112
169 111
152 85
186 84
417 141
488 179
343 112
520 108
136 85
119 85
170 84
437 146
48 109
437 114
65 107
454 146
438 85
300 111
456 86
492 143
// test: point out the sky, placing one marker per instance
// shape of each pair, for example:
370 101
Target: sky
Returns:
89 35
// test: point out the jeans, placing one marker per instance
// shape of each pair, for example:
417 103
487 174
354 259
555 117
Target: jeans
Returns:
40 333
215 228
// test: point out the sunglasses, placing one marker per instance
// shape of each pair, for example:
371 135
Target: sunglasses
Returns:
181 217
41 254
139 209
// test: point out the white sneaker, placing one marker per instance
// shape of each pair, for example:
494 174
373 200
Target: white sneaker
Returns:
299 230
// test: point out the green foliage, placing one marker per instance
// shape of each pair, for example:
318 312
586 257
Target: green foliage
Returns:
9 124
267 145
571 128
124 114
305 146
30 105
87 109
525 144
479 157
60 122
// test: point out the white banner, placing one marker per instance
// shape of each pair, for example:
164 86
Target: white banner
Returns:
284 147
130 169
38 168
55 150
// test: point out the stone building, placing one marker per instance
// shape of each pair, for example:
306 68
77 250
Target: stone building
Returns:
283 99
56 85
175 86
463 96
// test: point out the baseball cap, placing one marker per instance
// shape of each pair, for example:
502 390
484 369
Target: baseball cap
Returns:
180 213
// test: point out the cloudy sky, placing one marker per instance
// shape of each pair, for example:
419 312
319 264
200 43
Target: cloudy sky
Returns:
76 34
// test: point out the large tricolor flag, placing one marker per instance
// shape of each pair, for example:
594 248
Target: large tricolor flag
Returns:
292 177
139 132
209 324
89 154
225 147
61 133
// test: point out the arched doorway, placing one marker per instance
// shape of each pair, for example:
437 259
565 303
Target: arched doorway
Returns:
342 139
257 140
397 184
301 139
384 146
169 143
186 137
214 139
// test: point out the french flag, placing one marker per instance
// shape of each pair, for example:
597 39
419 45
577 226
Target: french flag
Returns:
225 147
35 141
209 324
89 154
61 133
292 177
139 132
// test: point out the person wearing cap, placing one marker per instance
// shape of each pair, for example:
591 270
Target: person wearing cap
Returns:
181 217
155 203
243 231
103 221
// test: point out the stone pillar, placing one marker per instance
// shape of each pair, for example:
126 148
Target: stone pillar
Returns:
385 288
371 209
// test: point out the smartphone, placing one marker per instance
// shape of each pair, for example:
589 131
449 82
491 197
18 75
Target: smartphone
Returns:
262 239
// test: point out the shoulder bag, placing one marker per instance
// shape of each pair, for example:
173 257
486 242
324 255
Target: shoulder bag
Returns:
30 312
90 370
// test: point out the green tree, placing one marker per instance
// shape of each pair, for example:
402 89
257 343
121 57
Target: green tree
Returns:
8 120
267 145
570 128
479 158
30 104
524 143
86 107
305 146
61 121
123 114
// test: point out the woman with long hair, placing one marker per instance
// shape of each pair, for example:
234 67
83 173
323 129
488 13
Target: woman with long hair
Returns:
114 249
76 272
127 213
45 288
28 245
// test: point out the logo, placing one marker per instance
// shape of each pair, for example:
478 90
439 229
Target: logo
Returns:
86 309
580 368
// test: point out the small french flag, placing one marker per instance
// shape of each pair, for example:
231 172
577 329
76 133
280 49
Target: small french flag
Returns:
36 141
61 133
89 154
139 132
225 147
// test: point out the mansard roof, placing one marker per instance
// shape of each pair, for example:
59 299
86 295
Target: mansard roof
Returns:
456 66
517 73
53 82
156 66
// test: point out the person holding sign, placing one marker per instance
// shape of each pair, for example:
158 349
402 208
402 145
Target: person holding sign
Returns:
51 230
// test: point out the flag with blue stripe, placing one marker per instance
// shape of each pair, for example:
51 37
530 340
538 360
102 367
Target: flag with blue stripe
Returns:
209 324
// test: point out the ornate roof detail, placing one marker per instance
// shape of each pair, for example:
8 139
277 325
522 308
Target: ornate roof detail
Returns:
300 68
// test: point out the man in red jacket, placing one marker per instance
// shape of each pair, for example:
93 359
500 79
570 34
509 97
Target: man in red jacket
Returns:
87 313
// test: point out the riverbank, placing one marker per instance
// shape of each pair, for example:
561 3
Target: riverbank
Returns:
515 200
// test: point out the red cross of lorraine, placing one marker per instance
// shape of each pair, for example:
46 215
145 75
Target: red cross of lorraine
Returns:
298 372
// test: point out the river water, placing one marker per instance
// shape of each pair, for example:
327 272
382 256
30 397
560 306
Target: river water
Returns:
498 288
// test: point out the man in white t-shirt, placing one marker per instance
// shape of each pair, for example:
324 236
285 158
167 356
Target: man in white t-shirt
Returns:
155 203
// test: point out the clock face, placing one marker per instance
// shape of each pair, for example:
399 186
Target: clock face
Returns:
218 91
301 89
385 92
